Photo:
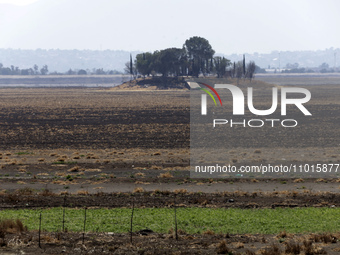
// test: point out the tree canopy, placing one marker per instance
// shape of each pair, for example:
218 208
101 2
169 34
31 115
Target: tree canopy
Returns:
195 58
199 52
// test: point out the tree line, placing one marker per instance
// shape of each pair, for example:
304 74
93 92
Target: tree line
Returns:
35 70
195 58
14 70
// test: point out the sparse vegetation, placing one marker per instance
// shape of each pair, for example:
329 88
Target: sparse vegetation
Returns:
23 153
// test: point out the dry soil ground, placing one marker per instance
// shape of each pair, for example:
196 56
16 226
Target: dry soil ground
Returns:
89 141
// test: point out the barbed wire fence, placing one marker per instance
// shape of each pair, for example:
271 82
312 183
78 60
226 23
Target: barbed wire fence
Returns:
131 218
134 217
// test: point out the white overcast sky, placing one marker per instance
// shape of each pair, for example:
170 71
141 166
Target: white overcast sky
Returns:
242 26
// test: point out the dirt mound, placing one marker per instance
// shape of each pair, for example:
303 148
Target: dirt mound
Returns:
241 83
154 83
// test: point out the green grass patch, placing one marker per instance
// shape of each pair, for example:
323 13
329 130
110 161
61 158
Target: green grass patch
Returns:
23 153
191 220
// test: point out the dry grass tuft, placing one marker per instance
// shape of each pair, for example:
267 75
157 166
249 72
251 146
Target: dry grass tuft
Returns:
140 174
13 162
238 245
166 175
293 247
154 167
25 191
282 234
49 239
22 170
249 252
10 226
46 193
138 190
74 169
222 248
82 192
161 192
273 249
60 182
141 182
324 237
91 156
311 249
179 231
299 180
93 170
43 174
209 232
180 191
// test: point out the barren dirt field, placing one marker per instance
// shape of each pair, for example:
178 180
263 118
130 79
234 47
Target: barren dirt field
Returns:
102 148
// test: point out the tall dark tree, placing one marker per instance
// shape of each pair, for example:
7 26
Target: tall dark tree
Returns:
144 63
44 70
168 61
221 64
36 68
244 66
251 67
239 70
131 65
199 51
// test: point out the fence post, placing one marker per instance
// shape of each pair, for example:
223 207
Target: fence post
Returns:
39 229
84 226
131 221
176 234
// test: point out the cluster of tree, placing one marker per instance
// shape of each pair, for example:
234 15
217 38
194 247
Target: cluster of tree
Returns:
12 70
94 71
294 68
195 58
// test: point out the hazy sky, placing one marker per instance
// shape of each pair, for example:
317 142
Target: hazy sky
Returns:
18 2
242 26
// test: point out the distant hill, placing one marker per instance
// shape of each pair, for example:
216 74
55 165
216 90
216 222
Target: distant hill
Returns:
305 59
63 60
